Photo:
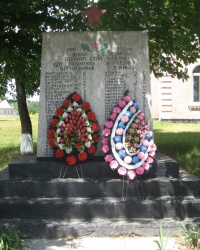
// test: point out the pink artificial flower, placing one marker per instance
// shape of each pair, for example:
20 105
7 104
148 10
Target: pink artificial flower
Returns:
104 141
128 144
141 118
108 124
151 153
127 98
146 166
105 148
122 171
131 174
142 136
132 150
149 160
113 116
145 143
132 131
141 114
140 170
147 126
129 137
141 127
108 158
136 145
127 159
106 132
137 138
121 103
142 123
119 131
141 155
137 121
153 147
134 125
117 110
114 164
124 118
139 131
119 146
132 110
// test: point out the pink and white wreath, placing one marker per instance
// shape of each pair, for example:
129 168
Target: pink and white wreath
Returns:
127 140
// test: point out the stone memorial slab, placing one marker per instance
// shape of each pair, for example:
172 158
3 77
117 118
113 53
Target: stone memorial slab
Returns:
100 66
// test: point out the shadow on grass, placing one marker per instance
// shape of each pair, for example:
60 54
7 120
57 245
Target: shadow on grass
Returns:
184 147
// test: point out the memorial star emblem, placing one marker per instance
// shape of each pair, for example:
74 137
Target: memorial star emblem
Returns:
95 45
94 14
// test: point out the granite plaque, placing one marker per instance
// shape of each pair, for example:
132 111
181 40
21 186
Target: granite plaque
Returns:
100 66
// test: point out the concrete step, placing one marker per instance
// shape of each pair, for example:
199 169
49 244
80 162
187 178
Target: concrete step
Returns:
186 185
32 168
91 208
57 229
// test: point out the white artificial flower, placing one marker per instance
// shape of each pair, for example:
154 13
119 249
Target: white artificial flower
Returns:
69 109
79 109
87 123
65 115
61 145
69 150
88 144
60 123
58 130
88 129
89 137
84 115
75 104
58 139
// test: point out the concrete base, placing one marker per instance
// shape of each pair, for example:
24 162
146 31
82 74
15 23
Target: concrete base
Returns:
32 168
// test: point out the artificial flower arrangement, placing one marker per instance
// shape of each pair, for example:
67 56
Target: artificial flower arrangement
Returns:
127 141
74 130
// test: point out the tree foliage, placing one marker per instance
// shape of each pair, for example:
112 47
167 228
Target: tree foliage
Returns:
172 28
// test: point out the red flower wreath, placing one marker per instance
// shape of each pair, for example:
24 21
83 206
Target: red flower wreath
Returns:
74 130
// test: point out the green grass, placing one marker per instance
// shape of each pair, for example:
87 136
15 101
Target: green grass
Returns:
180 141
10 134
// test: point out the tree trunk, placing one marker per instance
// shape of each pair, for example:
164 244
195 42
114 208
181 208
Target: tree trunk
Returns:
26 126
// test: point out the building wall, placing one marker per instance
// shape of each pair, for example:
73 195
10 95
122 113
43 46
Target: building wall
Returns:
172 98
7 112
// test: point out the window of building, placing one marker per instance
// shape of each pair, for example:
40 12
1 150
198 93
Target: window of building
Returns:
196 84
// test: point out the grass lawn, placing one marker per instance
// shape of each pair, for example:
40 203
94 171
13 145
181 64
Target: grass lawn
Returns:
180 141
10 133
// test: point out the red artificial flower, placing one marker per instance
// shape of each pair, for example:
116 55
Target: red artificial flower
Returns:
86 105
59 153
52 142
76 97
82 156
54 122
91 116
66 103
95 137
95 127
59 111
79 145
50 133
71 160
91 149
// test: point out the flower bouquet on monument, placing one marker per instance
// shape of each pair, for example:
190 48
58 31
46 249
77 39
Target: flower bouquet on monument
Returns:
73 132
127 140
